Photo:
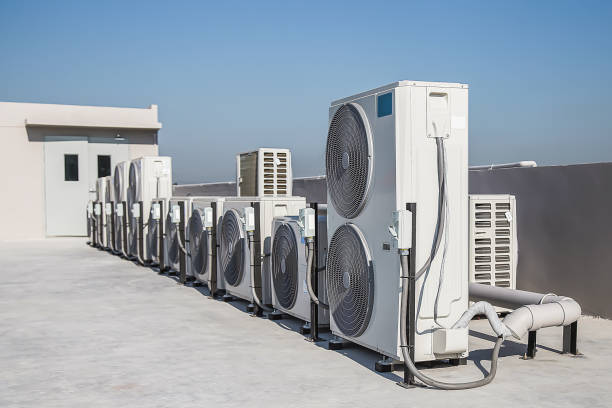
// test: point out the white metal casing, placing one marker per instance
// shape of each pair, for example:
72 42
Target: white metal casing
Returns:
266 208
264 172
301 307
150 177
199 207
404 170
493 243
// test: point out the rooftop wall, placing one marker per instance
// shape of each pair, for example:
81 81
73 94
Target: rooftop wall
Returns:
564 228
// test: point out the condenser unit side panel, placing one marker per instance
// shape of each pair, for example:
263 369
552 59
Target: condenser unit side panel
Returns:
248 174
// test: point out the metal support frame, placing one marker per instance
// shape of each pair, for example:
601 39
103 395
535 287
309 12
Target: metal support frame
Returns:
531 345
182 236
314 308
570 339
410 326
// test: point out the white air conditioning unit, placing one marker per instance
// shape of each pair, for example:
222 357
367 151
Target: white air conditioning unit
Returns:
241 215
150 178
493 240
103 197
205 220
264 172
157 215
382 153
121 177
288 268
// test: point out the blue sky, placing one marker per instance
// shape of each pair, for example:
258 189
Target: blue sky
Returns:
231 76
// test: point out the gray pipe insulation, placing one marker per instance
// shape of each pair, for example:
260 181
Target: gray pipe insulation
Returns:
533 310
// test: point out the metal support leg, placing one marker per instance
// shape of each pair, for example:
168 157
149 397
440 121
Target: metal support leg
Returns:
531 345
570 338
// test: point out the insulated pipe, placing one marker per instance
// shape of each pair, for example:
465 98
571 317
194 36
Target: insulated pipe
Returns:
508 298
124 247
535 310
256 299
525 163
313 297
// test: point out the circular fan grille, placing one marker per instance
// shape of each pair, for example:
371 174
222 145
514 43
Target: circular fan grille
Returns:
131 199
117 183
348 161
232 250
285 266
350 280
171 241
197 244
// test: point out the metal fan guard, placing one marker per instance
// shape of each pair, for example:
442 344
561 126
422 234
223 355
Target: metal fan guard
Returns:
348 160
172 247
232 248
197 243
285 266
350 280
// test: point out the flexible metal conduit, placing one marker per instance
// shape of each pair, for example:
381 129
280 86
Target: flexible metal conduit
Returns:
310 250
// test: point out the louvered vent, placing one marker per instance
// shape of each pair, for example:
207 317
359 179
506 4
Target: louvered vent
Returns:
265 172
197 243
493 240
350 280
285 266
348 161
232 248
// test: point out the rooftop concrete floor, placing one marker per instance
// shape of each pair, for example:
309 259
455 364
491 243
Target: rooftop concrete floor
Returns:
80 327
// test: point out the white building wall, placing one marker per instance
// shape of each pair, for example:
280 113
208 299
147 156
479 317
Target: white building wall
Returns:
23 127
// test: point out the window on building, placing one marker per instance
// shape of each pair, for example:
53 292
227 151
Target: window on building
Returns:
104 166
71 167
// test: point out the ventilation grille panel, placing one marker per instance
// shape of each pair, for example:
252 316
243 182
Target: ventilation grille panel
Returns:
493 241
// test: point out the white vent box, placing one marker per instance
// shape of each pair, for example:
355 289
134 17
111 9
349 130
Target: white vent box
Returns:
264 172
493 246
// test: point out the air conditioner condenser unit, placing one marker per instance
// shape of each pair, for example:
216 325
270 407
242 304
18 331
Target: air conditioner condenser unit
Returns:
387 150
289 273
250 219
150 178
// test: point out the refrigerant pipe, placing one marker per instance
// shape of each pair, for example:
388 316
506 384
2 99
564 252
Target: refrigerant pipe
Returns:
313 297
256 299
